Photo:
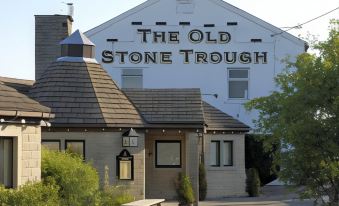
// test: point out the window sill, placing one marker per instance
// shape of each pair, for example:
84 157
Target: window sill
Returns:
222 168
236 101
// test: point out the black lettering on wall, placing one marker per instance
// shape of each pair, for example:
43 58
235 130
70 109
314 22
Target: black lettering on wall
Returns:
186 54
107 56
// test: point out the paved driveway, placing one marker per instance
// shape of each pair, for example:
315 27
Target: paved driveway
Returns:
271 196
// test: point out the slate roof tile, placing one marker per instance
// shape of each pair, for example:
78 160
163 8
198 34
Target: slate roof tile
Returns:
83 93
13 100
218 120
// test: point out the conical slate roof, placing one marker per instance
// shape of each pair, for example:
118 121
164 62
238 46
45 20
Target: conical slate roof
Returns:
83 94
77 38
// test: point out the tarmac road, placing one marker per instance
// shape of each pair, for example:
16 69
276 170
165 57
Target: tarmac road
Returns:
271 196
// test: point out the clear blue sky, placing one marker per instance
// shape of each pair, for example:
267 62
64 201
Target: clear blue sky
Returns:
17 22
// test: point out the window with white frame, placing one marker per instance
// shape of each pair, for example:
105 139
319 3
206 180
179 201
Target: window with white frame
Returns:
221 152
131 78
238 83
228 153
6 162
215 153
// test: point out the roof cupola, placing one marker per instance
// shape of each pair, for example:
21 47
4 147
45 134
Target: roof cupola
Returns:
77 48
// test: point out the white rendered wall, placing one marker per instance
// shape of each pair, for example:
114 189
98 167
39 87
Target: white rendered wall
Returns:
210 78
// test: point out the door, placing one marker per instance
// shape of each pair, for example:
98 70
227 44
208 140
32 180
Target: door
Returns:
6 161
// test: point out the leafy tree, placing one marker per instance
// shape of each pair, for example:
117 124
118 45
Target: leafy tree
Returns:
78 181
303 117
256 156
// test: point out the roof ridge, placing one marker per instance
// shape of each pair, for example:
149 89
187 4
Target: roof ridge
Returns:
95 93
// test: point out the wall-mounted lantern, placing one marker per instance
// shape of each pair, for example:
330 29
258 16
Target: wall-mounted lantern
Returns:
125 166
130 138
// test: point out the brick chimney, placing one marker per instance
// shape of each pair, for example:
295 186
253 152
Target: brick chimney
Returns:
49 31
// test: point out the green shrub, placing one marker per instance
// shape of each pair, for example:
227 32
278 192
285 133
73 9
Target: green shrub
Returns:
252 182
202 182
114 195
185 190
78 181
37 194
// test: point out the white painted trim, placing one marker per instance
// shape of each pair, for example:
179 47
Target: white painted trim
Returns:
120 17
258 21
76 59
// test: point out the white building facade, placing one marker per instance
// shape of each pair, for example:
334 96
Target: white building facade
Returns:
206 44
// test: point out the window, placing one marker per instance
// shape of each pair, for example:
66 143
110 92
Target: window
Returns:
6 162
215 153
238 83
168 154
76 146
221 153
228 153
132 78
53 145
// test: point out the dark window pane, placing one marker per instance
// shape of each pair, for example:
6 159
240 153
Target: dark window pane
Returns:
51 145
77 147
238 89
241 73
215 153
168 154
6 162
228 153
75 50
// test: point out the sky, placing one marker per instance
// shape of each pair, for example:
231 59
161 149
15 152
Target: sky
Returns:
17 22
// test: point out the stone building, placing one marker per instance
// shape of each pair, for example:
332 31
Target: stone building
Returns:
144 136
21 119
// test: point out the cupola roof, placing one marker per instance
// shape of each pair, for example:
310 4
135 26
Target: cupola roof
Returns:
77 38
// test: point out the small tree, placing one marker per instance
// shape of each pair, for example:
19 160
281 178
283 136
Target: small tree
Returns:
303 116
78 181
202 182
252 182
185 190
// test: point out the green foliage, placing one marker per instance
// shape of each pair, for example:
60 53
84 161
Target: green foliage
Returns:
185 189
256 156
202 182
252 182
114 195
37 194
303 117
78 181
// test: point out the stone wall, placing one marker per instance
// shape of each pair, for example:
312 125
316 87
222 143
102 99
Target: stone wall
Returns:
226 181
101 149
50 30
26 152
192 157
